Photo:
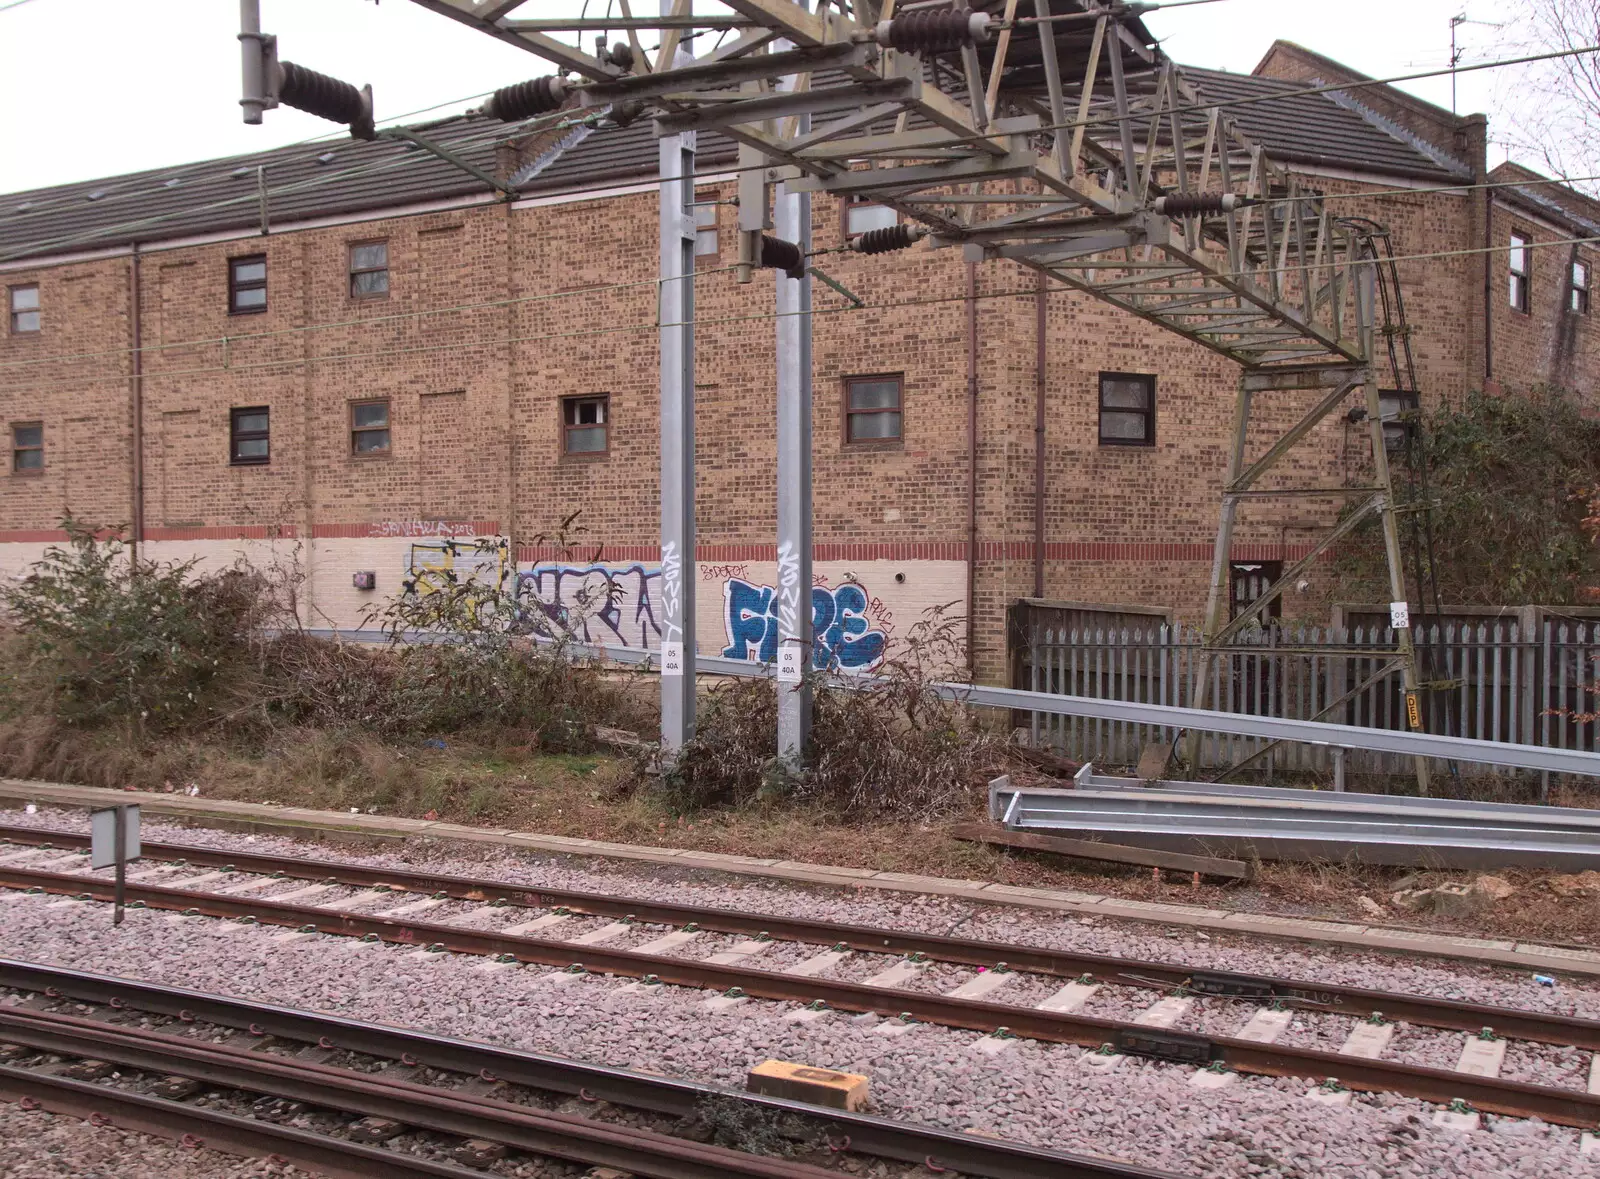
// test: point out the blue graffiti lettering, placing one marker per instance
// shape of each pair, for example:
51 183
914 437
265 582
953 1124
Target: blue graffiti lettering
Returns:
842 634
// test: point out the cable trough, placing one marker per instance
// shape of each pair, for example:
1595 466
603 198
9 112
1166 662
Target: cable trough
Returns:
1273 822
1059 1019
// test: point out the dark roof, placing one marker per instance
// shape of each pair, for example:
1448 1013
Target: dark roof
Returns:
335 176
1554 200
343 176
324 179
1331 128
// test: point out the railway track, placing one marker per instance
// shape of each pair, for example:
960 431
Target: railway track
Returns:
368 1109
68 1013
1174 1028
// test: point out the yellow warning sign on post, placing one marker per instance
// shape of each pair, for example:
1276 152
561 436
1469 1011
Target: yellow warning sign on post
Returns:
1413 712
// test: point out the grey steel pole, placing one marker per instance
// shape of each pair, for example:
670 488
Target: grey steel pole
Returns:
1366 322
677 441
252 61
793 223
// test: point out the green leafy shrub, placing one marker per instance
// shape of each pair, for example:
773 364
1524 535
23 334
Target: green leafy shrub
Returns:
96 638
102 638
1513 481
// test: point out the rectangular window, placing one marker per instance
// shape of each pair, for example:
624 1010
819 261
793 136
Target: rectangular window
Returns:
1127 409
706 242
27 447
247 285
1248 581
25 308
1519 267
861 215
584 425
248 440
1580 287
369 427
369 270
872 409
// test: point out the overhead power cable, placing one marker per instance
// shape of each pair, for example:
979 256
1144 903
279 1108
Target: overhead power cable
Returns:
50 358
186 173
367 322
104 231
1309 91
408 159
655 324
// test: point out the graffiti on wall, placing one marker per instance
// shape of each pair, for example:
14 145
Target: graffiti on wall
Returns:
598 603
843 630
623 606
434 565
464 529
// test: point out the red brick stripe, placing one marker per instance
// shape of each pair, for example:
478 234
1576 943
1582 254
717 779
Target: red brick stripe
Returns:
721 554
716 554
406 529
225 532
32 536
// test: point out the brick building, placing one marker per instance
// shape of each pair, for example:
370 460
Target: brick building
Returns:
341 356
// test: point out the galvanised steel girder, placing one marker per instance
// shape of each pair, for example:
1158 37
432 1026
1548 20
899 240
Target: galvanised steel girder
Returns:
1044 131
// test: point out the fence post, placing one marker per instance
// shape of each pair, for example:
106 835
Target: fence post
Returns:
1544 709
1033 682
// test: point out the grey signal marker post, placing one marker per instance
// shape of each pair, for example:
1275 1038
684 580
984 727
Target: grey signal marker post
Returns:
792 222
113 841
678 232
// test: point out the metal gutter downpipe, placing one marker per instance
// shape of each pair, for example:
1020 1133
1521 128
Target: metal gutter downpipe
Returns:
136 403
1488 289
972 467
1041 308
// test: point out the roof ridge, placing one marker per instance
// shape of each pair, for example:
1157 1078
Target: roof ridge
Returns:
1410 138
312 147
1404 98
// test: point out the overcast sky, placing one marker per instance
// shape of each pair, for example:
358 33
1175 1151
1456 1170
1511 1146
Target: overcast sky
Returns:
92 88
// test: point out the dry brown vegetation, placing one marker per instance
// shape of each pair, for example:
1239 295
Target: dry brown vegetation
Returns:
499 731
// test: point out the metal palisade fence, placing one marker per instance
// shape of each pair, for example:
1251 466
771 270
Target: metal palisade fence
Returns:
1499 680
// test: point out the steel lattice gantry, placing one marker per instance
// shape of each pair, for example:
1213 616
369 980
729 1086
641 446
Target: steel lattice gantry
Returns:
1104 133
1050 132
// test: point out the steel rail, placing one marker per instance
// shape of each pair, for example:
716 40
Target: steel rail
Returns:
1205 720
1358 1002
194 1126
553 1135
1514 1098
866 1134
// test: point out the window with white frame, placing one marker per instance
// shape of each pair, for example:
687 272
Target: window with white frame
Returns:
1520 268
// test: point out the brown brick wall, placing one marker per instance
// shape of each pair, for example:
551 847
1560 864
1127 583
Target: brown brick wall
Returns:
475 393
1549 345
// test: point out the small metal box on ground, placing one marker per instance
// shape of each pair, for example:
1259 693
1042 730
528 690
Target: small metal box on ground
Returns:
799 1082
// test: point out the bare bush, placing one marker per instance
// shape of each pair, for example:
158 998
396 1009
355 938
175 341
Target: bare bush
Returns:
886 745
99 639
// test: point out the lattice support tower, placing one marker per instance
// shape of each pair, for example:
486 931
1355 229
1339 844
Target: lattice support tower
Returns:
1050 132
